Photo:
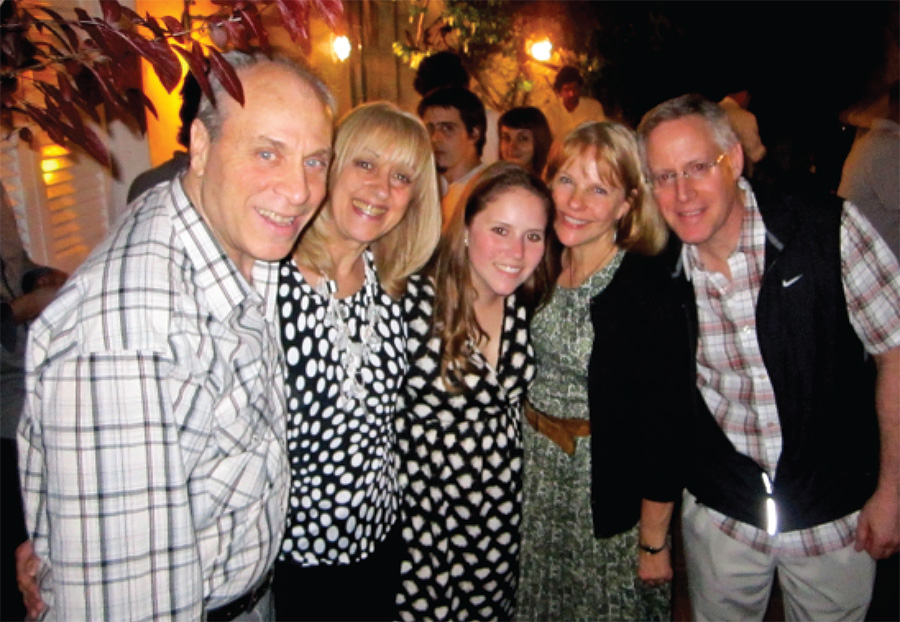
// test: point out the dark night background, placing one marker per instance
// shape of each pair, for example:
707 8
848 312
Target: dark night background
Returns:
803 63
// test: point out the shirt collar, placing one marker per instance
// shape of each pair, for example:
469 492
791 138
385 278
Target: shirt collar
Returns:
887 126
223 284
751 242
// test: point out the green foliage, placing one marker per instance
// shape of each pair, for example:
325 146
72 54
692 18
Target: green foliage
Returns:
490 37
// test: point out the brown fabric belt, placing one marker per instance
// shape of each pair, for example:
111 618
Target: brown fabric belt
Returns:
561 431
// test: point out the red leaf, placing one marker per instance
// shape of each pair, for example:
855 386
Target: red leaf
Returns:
86 94
295 16
49 91
138 99
237 34
8 88
136 103
69 112
65 87
197 64
26 135
226 75
166 64
251 20
331 11
71 40
47 123
51 49
133 17
153 24
113 106
176 28
159 55
112 11
217 33
107 39
95 147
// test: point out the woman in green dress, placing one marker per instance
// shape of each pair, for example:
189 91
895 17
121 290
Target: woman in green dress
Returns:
611 393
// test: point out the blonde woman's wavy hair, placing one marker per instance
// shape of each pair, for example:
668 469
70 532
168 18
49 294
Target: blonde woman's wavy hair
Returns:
615 148
401 138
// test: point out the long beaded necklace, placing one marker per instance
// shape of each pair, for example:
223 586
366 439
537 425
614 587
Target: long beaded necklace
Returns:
353 354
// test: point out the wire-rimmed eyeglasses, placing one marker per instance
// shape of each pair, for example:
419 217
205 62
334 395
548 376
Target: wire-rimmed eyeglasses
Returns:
694 170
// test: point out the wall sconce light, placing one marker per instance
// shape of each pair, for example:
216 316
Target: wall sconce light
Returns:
340 46
541 50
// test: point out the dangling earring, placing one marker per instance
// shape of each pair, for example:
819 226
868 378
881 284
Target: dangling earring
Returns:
466 240
616 231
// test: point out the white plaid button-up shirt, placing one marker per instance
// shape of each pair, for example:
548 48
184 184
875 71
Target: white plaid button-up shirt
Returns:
152 444
733 378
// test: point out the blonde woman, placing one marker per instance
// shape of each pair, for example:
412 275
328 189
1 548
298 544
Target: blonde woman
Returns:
344 336
601 468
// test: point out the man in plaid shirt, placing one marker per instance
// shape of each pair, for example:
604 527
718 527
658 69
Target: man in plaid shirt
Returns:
153 458
794 307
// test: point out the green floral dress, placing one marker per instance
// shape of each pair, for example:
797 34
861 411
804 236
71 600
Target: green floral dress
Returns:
567 573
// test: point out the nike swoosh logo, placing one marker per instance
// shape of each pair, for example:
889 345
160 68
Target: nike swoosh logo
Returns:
790 282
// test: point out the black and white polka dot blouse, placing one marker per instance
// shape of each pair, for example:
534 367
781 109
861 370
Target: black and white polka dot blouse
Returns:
344 492
462 473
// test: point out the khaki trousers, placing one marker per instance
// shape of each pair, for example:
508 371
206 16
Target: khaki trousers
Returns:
728 580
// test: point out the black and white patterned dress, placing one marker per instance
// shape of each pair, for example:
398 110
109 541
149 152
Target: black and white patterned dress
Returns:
461 474
344 494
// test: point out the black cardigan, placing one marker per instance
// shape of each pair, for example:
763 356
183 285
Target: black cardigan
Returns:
640 384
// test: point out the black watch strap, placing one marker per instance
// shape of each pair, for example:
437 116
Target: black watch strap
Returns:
652 550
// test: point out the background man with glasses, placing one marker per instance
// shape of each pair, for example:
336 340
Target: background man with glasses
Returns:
794 307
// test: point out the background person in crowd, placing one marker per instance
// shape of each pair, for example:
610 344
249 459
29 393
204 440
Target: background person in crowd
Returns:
570 108
26 289
152 444
871 175
455 121
744 123
190 102
793 304
460 424
612 392
525 138
444 69
344 336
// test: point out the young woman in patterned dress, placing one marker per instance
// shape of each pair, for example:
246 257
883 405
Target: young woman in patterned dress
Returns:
461 408
344 335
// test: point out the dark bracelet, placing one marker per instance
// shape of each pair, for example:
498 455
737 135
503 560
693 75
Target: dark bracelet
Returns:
652 550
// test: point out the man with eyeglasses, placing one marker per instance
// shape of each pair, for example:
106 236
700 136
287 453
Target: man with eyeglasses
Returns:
794 307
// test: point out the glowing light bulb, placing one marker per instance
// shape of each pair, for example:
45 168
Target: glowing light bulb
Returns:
542 50
341 47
